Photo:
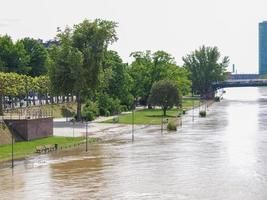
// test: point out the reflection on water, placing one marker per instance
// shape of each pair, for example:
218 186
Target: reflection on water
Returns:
221 157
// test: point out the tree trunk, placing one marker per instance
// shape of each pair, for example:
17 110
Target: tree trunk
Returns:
1 104
33 99
164 112
79 107
72 98
46 98
52 99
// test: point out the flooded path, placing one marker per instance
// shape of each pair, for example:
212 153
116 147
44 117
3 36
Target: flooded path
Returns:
223 156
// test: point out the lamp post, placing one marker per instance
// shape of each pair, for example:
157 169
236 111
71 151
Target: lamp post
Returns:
133 121
86 148
12 146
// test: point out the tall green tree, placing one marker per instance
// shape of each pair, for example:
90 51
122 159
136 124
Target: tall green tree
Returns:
118 81
13 57
205 68
148 68
37 56
85 46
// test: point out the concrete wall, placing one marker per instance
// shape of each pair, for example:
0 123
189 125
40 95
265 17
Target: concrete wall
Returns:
5 135
30 129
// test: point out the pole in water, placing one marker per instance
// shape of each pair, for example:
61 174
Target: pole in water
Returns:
162 123
73 128
193 110
12 148
86 136
133 125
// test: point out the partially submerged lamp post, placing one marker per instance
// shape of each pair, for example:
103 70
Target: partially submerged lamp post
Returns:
12 145
133 121
86 148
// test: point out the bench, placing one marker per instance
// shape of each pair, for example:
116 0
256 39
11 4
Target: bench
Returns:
40 149
46 148
50 147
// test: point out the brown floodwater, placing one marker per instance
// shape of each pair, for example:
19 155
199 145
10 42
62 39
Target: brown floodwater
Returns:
223 156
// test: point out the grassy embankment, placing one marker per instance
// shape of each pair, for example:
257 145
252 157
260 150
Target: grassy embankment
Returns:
23 149
154 116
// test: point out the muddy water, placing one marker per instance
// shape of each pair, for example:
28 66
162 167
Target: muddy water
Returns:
221 157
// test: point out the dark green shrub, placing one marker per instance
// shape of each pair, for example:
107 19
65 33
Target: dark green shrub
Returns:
90 111
203 113
171 126
88 116
103 111
107 103
124 108
107 113
115 119
115 106
184 111
217 99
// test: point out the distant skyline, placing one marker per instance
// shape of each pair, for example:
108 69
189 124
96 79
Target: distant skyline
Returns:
175 26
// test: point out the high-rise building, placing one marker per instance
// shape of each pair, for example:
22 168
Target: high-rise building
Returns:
263 47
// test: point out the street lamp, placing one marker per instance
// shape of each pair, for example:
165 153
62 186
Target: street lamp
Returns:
133 121
86 125
12 146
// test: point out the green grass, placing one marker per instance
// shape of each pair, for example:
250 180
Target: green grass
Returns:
153 116
22 149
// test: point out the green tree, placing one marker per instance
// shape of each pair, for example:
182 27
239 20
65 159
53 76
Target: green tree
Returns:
165 94
65 66
78 60
205 68
118 81
37 56
148 68
13 57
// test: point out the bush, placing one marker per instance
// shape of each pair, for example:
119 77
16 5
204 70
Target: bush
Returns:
108 104
107 113
217 99
124 108
88 116
115 106
184 111
103 111
90 111
203 113
171 126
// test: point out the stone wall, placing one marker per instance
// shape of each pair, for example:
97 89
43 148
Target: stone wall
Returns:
5 135
30 129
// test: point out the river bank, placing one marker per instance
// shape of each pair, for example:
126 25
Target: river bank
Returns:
67 133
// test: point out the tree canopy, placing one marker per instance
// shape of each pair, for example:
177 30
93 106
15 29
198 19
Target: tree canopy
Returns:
77 61
205 68
148 68
165 94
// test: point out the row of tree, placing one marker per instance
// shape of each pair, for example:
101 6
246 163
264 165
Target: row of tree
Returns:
26 56
80 64
15 87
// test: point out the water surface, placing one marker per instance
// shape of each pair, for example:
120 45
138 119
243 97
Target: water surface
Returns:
223 156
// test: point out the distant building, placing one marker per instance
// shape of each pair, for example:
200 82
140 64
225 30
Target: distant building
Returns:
263 48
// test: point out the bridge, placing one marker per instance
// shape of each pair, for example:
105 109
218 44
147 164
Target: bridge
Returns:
240 83
241 80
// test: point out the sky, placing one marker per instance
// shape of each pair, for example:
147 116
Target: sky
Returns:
176 26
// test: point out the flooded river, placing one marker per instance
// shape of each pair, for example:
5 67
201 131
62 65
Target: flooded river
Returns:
223 156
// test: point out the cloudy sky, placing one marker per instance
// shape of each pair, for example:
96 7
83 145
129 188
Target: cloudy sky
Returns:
176 26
